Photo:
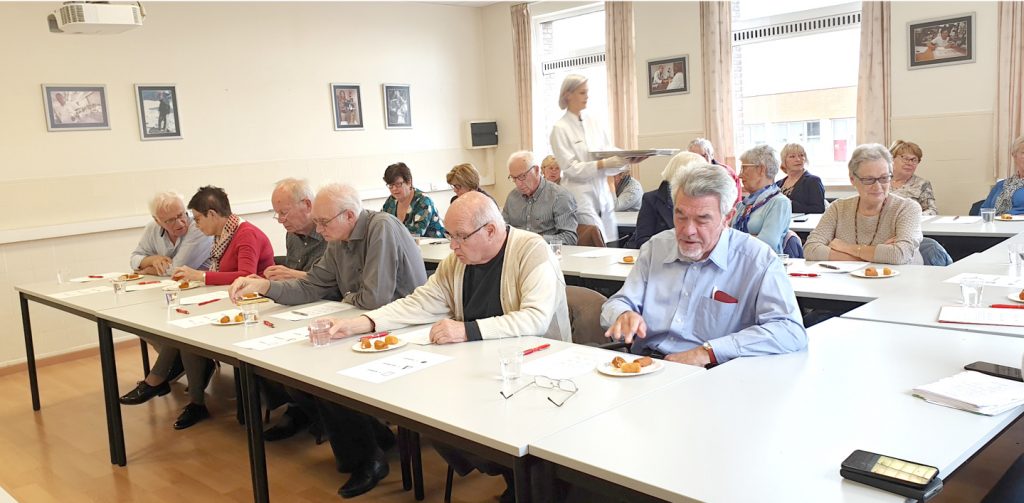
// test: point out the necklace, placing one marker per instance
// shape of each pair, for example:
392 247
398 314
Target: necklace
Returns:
787 188
856 217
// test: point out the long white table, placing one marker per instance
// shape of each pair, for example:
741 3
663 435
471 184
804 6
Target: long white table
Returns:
776 428
932 226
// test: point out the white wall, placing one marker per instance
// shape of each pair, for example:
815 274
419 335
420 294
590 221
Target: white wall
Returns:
255 107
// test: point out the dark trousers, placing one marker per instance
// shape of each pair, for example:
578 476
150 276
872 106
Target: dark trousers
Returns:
353 435
276 394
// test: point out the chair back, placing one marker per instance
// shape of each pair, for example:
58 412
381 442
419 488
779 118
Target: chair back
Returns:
792 245
589 235
585 315
933 253
976 208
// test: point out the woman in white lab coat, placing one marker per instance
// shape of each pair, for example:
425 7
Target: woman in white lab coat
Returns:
572 139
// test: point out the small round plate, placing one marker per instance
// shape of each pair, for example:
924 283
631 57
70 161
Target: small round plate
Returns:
131 277
1012 218
623 260
860 274
358 349
232 322
1015 297
191 286
607 369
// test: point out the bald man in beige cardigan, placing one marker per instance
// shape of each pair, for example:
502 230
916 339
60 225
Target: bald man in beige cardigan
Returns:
497 282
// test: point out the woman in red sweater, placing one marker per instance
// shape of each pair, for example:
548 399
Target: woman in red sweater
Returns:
239 249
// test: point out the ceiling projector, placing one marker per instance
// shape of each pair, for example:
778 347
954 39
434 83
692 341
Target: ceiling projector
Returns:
95 17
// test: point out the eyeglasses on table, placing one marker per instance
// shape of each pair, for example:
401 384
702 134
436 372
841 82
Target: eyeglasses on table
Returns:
567 385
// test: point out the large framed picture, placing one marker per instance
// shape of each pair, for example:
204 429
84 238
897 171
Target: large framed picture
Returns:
348 107
158 112
75 108
668 76
941 41
397 108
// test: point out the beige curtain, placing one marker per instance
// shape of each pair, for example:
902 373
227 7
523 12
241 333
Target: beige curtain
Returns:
873 108
621 65
1010 84
521 59
716 52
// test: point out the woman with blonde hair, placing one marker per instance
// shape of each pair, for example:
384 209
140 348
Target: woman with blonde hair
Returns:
805 190
464 178
906 157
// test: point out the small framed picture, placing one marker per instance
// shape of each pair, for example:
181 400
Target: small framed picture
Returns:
942 41
397 108
668 76
348 107
75 108
158 112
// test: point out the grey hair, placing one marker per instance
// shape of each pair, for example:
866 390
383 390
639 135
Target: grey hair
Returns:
344 196
484 209
869 152
299 189
571 83
163 200
680 160
763 154
705 144
1017 145
525 155
703 179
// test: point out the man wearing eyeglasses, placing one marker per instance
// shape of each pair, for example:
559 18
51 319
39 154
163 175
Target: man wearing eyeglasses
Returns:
292 201
538 205
170 240
371 259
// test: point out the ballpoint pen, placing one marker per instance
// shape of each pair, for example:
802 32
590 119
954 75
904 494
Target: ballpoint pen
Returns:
829 266
148 282
376 335
96 276
1007 306
205 302
804 274
300 313
542 347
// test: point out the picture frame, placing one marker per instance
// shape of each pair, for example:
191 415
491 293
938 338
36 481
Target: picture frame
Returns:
347 107
948 40
158 111
75 107
668 76
397 106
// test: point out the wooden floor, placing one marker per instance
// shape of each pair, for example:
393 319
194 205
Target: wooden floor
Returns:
60 453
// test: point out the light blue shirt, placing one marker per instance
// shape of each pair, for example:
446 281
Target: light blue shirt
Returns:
192 249
675 298
770 221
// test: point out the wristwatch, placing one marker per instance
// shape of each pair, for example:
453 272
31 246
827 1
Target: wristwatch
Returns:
711 352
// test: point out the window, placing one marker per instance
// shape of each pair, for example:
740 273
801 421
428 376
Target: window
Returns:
566 42
795 79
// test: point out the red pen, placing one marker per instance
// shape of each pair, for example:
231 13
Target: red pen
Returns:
1007 306
542 347
148 282
268 323
804 274
376 335
205 302
182 311
95 276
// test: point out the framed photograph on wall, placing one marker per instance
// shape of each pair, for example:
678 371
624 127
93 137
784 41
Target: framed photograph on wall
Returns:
668 76
75 108
941 41
348 107
158 111
397 108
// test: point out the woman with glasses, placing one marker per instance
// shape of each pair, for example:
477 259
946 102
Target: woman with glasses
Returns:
906 157
804 190
464 178
765 213
1007 196
412 207
873 226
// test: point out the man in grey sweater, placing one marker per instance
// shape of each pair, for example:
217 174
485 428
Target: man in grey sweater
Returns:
371 260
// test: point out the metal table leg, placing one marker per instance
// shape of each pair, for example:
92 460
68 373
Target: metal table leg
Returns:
30 352
115 428
254 429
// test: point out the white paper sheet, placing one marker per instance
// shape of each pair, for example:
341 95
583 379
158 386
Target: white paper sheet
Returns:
419 335
86 279
600 252
396 365
999 280
203 319
565 364
84 291
982 316
275 340
956 220
156 284
838 267
313 311
203 297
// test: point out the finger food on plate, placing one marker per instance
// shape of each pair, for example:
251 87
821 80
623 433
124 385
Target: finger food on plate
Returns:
886 271
380 344
365 344
251 295
183 285
630 368
618 361
644 361
871 271
239 318
629 259
1006 216
391 340
225 319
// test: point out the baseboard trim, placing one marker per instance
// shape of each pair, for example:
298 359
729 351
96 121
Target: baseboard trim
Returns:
66 357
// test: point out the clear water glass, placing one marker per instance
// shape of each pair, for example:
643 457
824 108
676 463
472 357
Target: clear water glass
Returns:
510 358
988 215
971 289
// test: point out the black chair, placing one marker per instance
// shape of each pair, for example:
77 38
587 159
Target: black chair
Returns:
976 208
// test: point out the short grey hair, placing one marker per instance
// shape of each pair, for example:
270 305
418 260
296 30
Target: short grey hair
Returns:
344 196
869 152
763 154
298 188
680 160
703 179
1017 145
163 200
704 144
525 155
571 83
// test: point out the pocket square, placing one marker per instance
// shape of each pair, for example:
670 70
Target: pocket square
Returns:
723 297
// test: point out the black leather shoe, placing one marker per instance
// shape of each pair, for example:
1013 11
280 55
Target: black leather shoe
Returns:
143 392
291 422
316 428
365 478
191 414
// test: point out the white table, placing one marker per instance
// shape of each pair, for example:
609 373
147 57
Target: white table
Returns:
930 227
776 428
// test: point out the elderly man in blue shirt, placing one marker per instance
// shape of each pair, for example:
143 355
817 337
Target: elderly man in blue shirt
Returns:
704 293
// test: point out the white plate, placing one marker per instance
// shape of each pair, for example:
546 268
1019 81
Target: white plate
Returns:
124 277
358 349
860 274
1013 218
232 322
192 285
607 369
1015 297
623 261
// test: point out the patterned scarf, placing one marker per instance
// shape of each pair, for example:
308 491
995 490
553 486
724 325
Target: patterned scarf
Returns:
1005 200
221 242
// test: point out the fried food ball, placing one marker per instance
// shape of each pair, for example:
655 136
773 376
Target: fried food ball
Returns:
239 318
871 271
365 344
380 344
618 361
391 340
225 319
886 271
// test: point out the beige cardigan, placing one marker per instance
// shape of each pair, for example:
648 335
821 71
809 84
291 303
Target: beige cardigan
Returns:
901 220
532 294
